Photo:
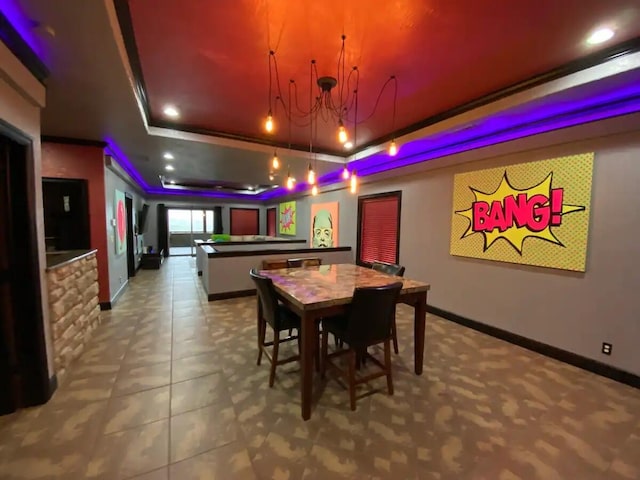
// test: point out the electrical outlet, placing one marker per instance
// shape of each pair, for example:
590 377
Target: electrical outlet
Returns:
606 348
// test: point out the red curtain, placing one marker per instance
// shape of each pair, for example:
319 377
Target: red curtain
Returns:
244 221
379 229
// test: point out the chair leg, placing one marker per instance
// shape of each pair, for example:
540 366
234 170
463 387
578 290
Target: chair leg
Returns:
262 327
325 351
274 358
394 333
352 379
316 335
387 365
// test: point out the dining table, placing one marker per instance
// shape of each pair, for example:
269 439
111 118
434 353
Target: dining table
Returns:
327 290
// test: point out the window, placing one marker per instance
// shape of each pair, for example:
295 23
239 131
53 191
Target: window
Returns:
190 221
244 221
379 228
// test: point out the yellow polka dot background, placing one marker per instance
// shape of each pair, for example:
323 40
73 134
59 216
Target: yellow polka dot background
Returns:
572 173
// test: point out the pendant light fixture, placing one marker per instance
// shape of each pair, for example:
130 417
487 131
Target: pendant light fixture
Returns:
332 98
275 161
311 176
314 190
353 182
345 173
393 148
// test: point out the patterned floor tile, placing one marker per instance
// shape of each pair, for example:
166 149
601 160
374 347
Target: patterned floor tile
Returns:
131 452
230 461
482 409
200 430
137 409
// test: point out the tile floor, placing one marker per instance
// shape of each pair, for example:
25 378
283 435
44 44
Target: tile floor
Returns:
169 388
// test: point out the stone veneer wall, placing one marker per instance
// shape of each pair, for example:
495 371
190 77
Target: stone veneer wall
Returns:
74 309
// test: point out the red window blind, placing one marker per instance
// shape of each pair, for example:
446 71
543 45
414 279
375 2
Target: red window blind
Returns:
379 228
271 222
243 221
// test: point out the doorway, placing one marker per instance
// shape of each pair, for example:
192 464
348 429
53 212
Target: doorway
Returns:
187 225
131 263
66 214
24 376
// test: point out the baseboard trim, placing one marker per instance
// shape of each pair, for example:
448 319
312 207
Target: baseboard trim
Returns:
119 293
105 305
226 295
53 386
556 353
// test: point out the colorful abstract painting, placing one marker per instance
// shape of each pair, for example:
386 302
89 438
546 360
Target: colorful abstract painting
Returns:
533 213
324 225
120 215
287 218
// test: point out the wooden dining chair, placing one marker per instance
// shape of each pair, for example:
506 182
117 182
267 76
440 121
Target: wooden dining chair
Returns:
304 262
366 322
271 312
397 270
274 264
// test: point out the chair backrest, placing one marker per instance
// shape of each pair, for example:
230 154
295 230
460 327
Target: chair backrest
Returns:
267 296
304 262
371 313
388 268
273 264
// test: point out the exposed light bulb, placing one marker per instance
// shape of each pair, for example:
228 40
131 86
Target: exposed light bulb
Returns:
268 124
354 182
171 111
600 36
311 176
271 177
345 173
290 181
314 190
275 162
393 148
342 133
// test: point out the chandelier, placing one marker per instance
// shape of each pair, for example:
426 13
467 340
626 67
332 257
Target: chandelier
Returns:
335 102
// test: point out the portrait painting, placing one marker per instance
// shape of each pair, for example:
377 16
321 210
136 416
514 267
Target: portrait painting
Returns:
324 225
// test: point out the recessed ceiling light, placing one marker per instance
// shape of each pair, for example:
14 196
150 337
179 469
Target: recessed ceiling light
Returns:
251 188
169 168
172 182
168 156
171 111
348 145
600 36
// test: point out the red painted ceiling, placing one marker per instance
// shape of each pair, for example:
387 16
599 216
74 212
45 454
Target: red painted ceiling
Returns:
210 59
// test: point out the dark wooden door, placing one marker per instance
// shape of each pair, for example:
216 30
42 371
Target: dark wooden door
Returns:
24 374
271 221
131 263
9 380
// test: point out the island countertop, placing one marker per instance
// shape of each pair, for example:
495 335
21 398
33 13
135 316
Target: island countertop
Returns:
62 258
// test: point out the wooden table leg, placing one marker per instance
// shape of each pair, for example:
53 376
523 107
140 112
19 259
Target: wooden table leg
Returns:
307 345
419 319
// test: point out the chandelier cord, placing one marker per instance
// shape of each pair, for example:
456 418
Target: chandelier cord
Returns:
271 54
325 105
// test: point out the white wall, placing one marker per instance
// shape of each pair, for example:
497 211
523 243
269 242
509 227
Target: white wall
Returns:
21 98
572 311
118 271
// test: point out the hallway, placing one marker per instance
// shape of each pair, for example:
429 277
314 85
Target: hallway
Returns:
168 388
